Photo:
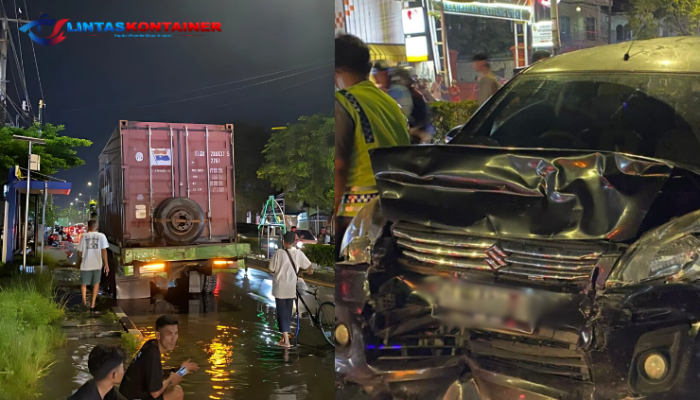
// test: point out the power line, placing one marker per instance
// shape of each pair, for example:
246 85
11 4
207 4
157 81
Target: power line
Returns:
14 105
14 81
231 90
20 70
206 87
262 96
252 78
36 63
19 37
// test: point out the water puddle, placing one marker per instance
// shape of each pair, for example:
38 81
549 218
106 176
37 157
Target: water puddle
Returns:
232 336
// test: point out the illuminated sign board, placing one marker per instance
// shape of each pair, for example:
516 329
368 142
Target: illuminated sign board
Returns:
542 34
548 3
506 11
416 48
413 20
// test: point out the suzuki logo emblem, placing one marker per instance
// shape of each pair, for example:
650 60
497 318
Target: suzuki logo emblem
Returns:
495 257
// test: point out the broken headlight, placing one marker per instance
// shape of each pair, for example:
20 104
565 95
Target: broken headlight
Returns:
362 233
670 252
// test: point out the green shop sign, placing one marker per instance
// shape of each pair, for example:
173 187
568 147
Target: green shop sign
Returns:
493 10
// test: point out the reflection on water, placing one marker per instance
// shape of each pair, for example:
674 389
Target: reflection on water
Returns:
238 358
231 336
71 369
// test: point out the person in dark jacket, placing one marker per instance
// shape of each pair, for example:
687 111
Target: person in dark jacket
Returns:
540 55
420 126
106 365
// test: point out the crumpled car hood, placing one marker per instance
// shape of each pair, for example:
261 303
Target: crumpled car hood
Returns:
526 193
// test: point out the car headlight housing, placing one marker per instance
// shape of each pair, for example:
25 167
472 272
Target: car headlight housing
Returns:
362 233
670 252
342 335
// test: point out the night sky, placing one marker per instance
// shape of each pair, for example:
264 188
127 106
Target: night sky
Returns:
90 83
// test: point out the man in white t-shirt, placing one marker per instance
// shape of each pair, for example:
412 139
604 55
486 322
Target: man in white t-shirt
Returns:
92 252
285 264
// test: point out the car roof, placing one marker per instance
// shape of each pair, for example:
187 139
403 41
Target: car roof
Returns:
673 54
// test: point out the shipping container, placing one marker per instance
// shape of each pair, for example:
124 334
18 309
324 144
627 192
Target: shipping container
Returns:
167 184
166 205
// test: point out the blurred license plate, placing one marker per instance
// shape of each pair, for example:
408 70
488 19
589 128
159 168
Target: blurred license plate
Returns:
481 305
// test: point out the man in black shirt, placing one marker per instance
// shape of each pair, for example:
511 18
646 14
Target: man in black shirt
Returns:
106 365
144 377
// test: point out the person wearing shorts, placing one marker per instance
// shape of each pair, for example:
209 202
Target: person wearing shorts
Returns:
92 252
286 264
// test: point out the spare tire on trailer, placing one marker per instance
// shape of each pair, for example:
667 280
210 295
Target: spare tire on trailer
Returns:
179 221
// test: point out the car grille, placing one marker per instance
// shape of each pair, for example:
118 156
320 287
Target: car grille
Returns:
543 356
489 349
532 260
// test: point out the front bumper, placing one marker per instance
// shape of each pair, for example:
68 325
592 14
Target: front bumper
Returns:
613 362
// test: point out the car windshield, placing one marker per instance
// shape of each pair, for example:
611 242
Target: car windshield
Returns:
304 235
648 114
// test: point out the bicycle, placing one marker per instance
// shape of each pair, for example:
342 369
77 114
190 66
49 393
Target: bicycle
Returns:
324 319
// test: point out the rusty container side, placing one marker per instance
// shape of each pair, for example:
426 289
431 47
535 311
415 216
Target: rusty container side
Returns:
146 163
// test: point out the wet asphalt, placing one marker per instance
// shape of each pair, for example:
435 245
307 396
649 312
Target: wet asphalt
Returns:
231 335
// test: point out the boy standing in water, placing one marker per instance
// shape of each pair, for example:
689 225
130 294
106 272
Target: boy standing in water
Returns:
93 253
286 264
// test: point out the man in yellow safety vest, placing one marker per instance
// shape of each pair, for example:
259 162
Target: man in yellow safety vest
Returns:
366 118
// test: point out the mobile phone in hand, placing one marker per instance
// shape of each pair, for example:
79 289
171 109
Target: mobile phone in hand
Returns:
182 371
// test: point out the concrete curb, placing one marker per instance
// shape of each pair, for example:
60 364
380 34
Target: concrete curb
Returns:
127 323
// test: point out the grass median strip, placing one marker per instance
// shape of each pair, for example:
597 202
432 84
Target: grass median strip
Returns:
28 333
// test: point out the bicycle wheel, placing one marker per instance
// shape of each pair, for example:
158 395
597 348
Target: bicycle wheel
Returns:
326 321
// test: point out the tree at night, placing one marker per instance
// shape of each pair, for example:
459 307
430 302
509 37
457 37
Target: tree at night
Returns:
647 16
58 154
300 161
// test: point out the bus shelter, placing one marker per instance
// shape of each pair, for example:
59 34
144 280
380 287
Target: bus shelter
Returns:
15 192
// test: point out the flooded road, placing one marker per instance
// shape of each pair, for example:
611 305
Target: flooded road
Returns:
231 335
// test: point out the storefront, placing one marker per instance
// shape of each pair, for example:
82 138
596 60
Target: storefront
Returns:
377 23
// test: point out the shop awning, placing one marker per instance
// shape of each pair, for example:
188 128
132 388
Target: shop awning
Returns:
389 52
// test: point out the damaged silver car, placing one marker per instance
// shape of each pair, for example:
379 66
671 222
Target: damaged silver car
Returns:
550 251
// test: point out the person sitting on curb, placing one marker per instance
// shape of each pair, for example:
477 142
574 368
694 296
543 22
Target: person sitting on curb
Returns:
144 377
106 365
286 265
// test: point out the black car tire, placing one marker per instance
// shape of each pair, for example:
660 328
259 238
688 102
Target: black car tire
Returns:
179 221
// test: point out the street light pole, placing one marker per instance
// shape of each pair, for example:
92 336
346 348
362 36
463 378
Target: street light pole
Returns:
29 180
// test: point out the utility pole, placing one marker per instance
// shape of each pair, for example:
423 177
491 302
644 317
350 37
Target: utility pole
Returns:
4 40
445 51
30 140
3 68
554 11
610 22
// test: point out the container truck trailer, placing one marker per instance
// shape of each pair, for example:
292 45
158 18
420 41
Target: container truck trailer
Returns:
167 204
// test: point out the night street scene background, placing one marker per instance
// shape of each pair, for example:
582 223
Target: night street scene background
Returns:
268 72
539 237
